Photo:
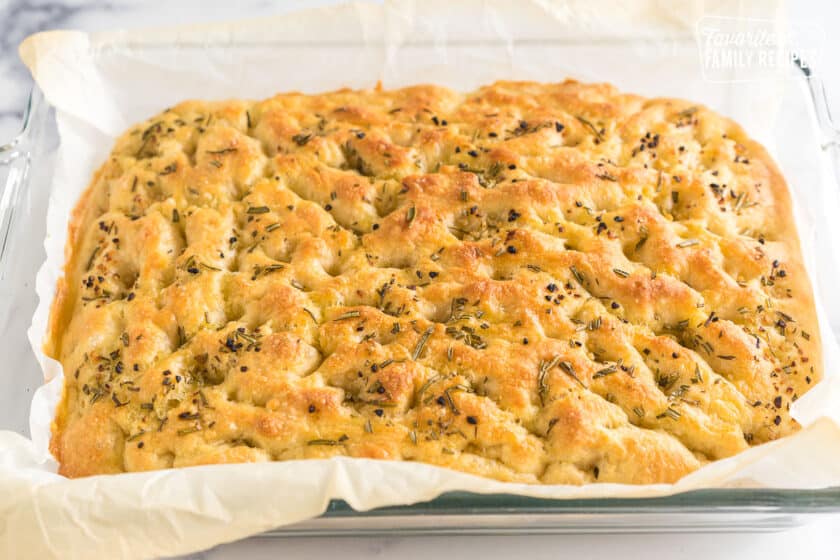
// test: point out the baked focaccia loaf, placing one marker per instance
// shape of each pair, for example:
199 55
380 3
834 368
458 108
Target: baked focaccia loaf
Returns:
545 283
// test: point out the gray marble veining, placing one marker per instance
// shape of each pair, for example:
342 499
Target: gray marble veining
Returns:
20 18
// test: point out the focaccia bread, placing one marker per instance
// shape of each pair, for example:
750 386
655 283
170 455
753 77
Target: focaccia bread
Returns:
544 283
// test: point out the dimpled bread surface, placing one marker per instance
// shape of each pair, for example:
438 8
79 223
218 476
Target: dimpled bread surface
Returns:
541 283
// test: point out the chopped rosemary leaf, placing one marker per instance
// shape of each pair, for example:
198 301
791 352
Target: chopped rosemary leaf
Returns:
739 202
421 343
447 393
686 112
191 430
542 381
92 257
590 126
223 151
348 315
570 370
301 139
687 243
785 316
698 375
669 413
322 442
429 382
605 371
135 436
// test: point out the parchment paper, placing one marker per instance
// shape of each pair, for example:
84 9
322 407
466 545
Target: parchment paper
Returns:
100 84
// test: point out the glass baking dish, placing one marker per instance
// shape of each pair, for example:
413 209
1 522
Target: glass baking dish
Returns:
26 166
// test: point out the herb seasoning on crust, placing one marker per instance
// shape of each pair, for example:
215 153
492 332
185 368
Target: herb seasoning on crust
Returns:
541 283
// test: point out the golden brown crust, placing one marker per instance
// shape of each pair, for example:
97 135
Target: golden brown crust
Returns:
553 283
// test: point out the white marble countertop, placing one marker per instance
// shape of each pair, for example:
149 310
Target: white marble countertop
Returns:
818 540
